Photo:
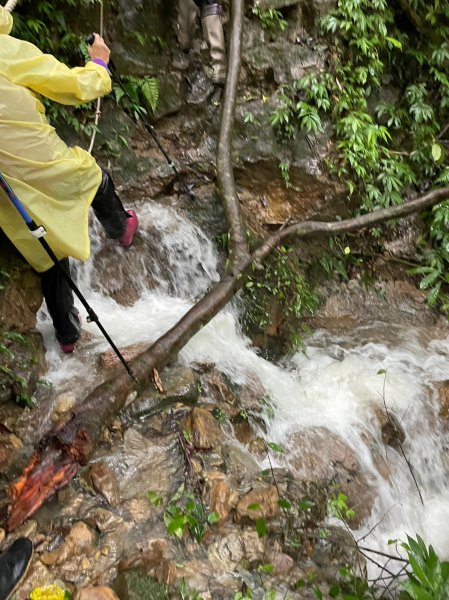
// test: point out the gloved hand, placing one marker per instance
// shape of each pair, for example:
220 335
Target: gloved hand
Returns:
99 49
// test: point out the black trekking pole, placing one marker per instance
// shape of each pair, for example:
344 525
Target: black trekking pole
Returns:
148 126
38 232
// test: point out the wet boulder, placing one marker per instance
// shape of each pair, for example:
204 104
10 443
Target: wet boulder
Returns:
392 432
104 481
62 405
146 560
96 593
261 502
80 543
20 290
236 548
320 455
202 429
178 384
9 445
222 498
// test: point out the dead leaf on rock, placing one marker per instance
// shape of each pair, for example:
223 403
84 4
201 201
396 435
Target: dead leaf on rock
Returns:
157 381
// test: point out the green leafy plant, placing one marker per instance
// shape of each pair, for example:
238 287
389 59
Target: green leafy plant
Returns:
283 283
246 595
185 513
429 579
285 172
385 148
270 18
337 507
187 593
155 499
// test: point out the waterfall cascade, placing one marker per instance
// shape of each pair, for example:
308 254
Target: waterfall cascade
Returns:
338 385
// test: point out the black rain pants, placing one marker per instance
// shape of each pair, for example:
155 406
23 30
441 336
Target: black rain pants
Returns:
58 295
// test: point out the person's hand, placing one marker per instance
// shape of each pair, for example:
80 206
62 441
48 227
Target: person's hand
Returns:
99 49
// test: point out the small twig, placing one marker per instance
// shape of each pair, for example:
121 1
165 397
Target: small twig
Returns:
443 131
188 450
377 524
390 556
274 478
382 567
403 570
400 443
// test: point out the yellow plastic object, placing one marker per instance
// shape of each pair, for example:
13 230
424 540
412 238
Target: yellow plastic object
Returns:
55 183
51 592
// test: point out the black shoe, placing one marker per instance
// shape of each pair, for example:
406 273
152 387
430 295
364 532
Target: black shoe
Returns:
14 564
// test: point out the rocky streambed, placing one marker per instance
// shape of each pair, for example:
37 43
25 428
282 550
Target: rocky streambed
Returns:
185 469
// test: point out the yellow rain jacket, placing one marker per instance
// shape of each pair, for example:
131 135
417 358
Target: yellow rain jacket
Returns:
55 183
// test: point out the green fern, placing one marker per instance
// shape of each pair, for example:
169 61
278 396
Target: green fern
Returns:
150 89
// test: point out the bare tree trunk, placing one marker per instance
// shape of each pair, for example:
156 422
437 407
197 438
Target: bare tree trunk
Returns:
225 173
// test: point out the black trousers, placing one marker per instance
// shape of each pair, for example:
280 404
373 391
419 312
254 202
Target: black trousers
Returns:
58 295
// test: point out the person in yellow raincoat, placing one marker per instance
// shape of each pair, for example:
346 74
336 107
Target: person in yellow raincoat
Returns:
56 183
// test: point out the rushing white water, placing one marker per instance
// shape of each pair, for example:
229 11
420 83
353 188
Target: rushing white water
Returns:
335 386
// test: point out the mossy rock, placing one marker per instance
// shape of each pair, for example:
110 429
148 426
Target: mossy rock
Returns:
134 585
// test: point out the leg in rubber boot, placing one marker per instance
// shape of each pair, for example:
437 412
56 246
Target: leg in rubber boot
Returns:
14 564
213 33
131 227
187 12
119 224
59 300
72 328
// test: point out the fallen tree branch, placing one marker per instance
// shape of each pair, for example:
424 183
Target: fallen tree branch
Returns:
308 229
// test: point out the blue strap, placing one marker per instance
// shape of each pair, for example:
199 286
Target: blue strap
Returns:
11 195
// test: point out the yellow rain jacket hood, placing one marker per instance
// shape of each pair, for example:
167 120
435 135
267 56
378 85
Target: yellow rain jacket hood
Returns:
55 183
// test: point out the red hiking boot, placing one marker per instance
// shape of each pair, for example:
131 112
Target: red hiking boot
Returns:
68 348
131 227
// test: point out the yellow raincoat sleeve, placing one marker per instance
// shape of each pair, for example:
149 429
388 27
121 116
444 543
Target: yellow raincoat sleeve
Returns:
26 65
5 21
